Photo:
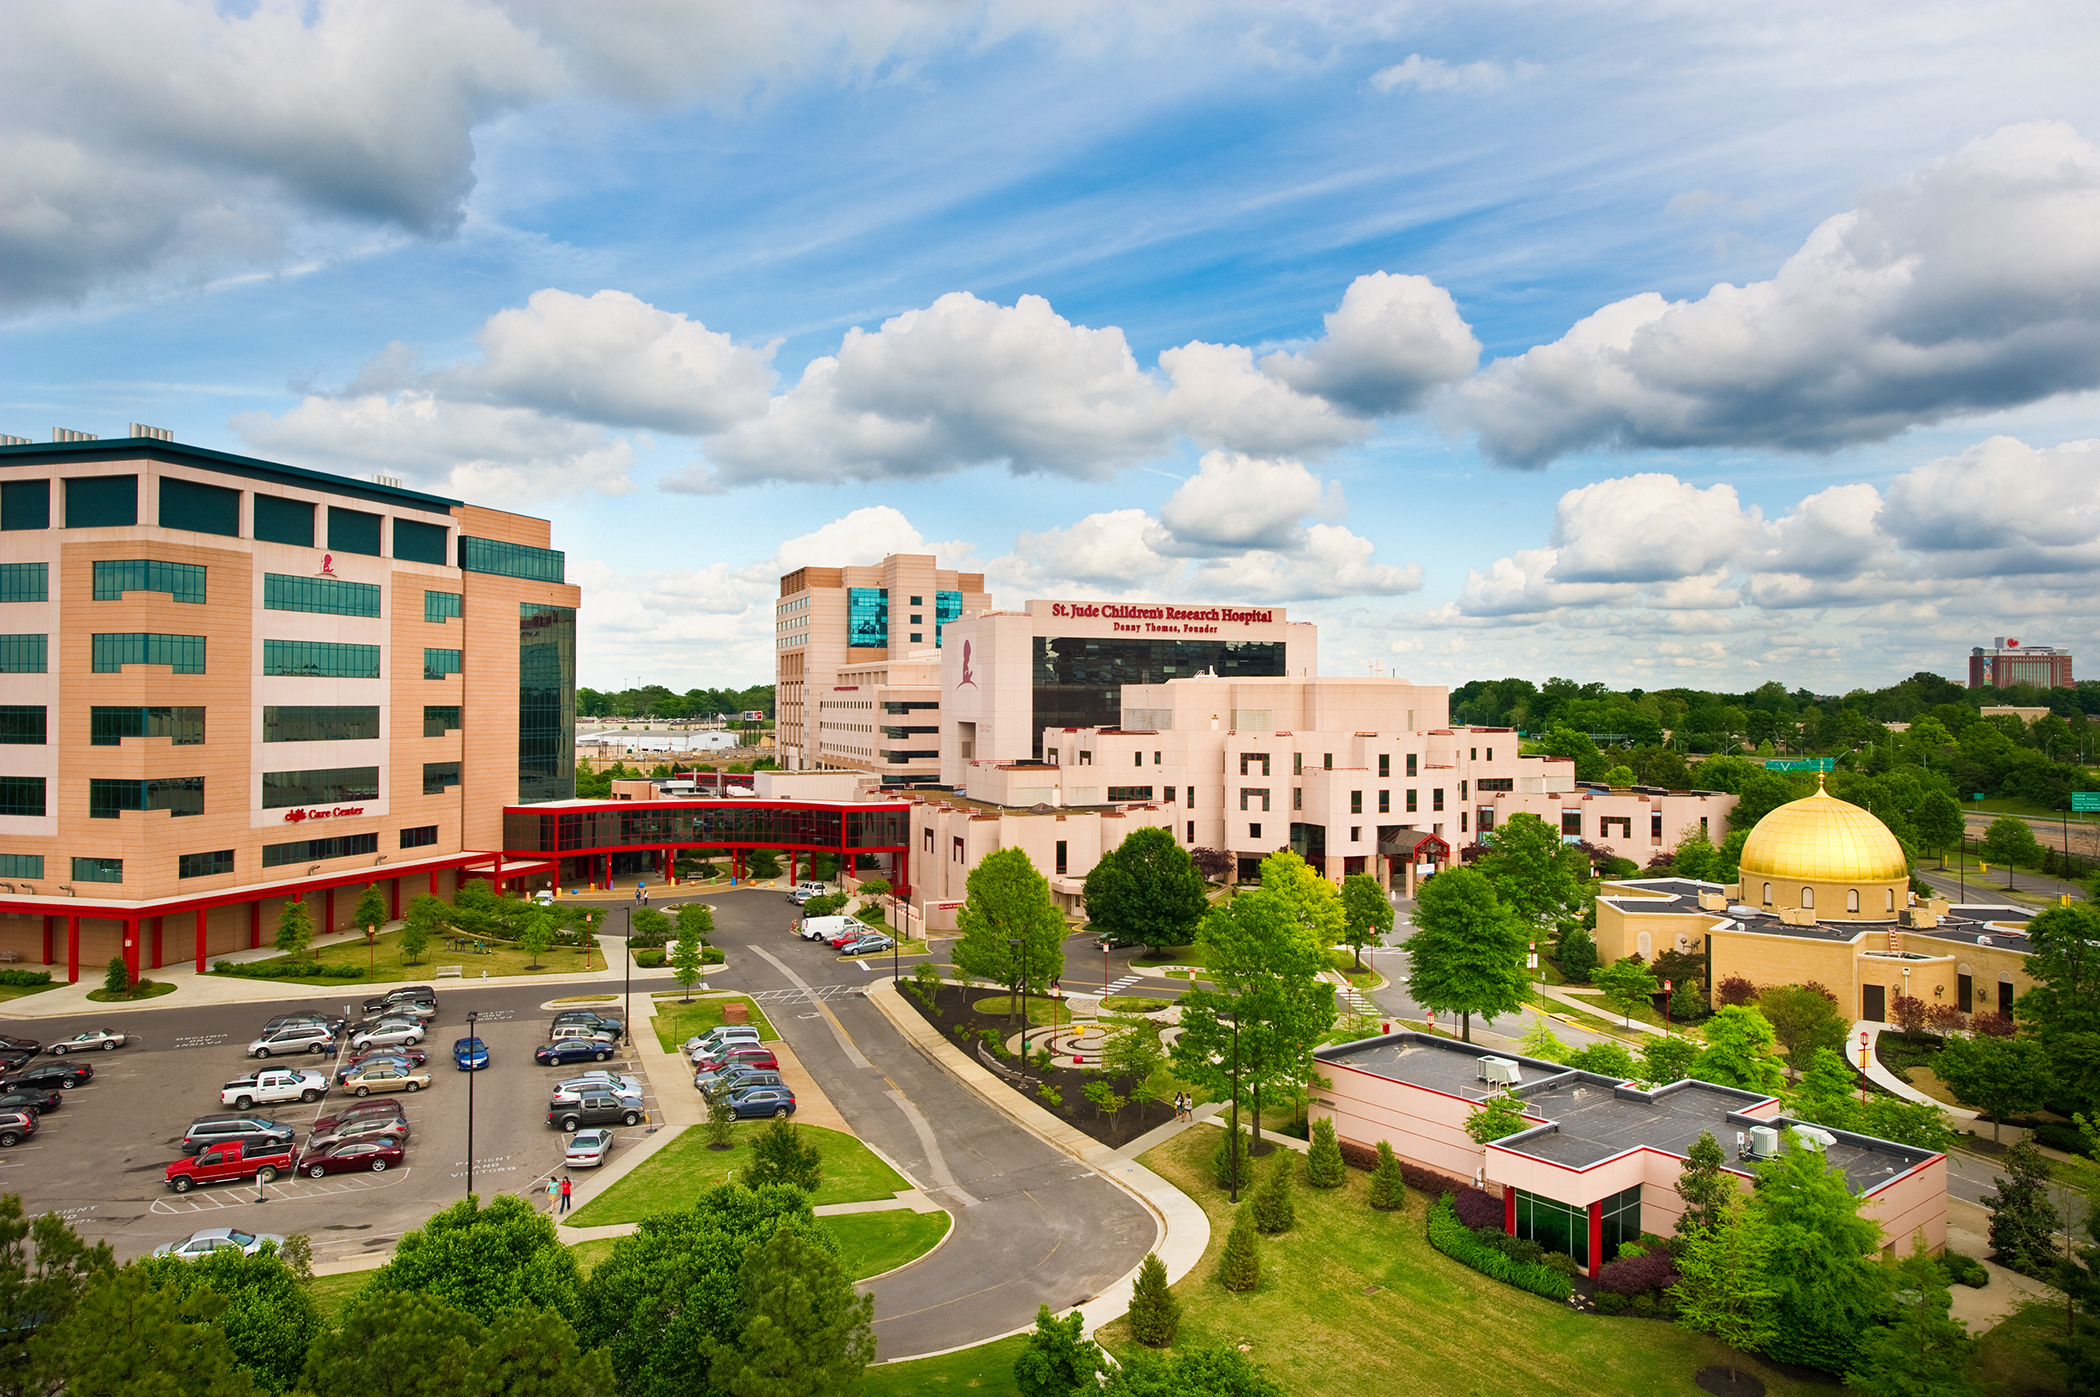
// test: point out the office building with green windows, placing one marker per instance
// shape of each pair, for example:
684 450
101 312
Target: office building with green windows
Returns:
234 682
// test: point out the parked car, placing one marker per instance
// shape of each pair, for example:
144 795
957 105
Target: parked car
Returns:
294 1038
572 1050
735 1079
587 1149
596 1108
867 945
332 1022
99 1039
386 1108
213 1239
15 1127
415 994
44 1076
469 1054
742 1055
385 1076
19 1045
273 1084
755 1102
228 1163
368 1128
375 1155
388 1033
15 1059
374 1023
701 1044
859 930
561 1033
805 890
590 1019
566 1092
237 1128
824 928
403 1057
35 1100
416 1009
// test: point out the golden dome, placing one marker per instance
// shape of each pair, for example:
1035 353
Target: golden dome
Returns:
1823 840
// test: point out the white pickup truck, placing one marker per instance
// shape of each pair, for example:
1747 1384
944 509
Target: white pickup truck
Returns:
273 1084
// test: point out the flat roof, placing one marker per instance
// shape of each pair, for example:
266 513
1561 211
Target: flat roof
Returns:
2003 924
1591 1118
38 453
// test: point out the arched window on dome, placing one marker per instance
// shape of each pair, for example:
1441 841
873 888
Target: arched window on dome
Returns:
1892 901
1852 900
1768 894
1808 897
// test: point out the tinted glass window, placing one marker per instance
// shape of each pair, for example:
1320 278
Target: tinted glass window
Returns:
200 508
102 501
284 521
353 531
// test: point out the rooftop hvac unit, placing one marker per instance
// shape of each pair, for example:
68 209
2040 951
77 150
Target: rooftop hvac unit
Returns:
1499 1070
1813 1136
1764 1142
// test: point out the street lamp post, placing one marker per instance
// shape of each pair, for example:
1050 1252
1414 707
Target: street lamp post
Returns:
472 1017
1020 950
1104 965
627 969
1666 1008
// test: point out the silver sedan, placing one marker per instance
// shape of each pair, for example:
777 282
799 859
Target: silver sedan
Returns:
102 1039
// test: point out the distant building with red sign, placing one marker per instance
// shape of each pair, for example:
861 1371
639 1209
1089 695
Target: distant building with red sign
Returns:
2006 663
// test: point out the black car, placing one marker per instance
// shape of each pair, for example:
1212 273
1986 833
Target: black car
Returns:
12 1043
32 1100
206 1131
590 1020
572 1050
332 1022
596 1108
63 1076
12 1059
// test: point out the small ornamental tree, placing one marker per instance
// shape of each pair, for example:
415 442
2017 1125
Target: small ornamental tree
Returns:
535 938
1704 1188
1997 1075
721 1121
1274 1210
1388 1184
1804 1020
1366 914
1739 1044
118 979
426 913
2024 1222
1324 1165
1154 1312
1666 1060
696 923
2011 841
1059 1359
1578 956
1239 1268
874 887
1230 1163
295 930
1721 1288
1910 1013
1543 1043
782 1156
686 966
1735 989
1499 1115
1103 1095
1627 984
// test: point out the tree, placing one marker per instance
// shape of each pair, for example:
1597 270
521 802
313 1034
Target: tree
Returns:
670 1294
1687 1002
1213 864
1059 1359
536 937
1918 1350
1705 1188
1606 1059
1103 1095
1006 900
402 1345
1239 1266
686 967
1722 1288
526 1351
1145 891
2024 1222
648 928
805 1332
1132 1053
1230 1162
1696 856
295 929
1154 1312
1543 1043
1366 914
1315 905
125 1337
696 923
2064 963
1627 983
1388 1183
1803 1020
1467 953
781 1156
2011 841
1938 822
1619 777
483 1260
269 1318
1739 1045
427 915
1265 964
1221 1371
1274 1211
1823 1265
40 1283
1577 956
875 887
371 913
1537 877
721 1121
117 979
1666 1060
1996 1075
1495 1117
1324 1165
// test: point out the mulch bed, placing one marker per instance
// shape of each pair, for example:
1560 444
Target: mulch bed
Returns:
952 1009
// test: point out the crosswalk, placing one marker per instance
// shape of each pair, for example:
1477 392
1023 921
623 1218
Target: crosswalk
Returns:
1119 986
800 995
1351 998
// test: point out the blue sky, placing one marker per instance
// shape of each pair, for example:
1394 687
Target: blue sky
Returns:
1643 343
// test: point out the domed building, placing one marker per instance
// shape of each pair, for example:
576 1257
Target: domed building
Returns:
1825 896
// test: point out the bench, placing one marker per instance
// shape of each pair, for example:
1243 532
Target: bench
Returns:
456 972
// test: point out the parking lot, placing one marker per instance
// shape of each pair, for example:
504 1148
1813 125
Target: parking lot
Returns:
100 1158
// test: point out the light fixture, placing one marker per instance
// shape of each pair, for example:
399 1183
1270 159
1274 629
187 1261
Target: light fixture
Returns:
310 872
67 888
380 860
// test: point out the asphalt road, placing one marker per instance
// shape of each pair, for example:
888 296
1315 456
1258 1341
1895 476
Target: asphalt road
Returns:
1033 1226
99 1159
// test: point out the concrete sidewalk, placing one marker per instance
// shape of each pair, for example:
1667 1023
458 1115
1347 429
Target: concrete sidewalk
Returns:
1888 1081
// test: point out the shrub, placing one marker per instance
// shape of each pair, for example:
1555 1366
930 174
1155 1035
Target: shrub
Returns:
1273 1209
2059 1136
1644 1305
25 977
1561 1263
1324 1167
1052 1095
781 1156
1609 1302
1239 1268
1154 1312
1388 1184
1964 1270
1994 1023
1944 1019
1451 1237
649 960
1909 1012
1229 1163
1477 1209
1736 990
1638 1275
712 955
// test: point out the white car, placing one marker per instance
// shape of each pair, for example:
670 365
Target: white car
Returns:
571 1091
702 1043
272 1084
824 928
388 1035
588 1149
804 891
295 1038
214 1239
102 1038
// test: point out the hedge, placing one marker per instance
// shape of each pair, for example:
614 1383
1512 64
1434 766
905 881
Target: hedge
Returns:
25 977
1452 1237
281 969
1636 1275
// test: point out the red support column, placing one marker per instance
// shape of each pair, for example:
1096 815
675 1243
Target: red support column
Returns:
1509 1211
433 882
255 924
1596 1236
49 923
158 923
72 950
202 916
794 865
131 945
904 871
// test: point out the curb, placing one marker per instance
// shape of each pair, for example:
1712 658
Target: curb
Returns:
1184 1228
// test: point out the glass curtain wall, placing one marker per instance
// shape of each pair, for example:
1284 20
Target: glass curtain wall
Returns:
546 702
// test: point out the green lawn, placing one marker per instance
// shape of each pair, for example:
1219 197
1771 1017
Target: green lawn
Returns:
8 992
988 1368
872 1243
1349 1281
331 1293
686 1168
1134 1004
677 1022
1042 1013
383 961
904 948
1170 955
2011 1360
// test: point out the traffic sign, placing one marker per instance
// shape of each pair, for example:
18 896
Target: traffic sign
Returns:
1802 764
2085 800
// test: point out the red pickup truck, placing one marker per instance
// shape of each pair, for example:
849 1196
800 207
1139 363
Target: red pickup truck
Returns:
231 1160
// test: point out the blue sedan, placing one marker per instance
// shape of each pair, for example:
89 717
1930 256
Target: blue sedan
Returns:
754 1102
572 1050
470 1054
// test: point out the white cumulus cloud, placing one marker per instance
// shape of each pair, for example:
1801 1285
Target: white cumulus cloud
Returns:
1421 74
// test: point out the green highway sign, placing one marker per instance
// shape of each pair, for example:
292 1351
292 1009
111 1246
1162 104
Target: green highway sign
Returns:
2085 800
1804 764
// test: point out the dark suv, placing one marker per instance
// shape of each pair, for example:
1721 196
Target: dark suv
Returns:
45 1076
206 1131
589 1020
595 1108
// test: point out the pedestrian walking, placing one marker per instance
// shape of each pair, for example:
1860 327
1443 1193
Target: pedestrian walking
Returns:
553 1188
565 1193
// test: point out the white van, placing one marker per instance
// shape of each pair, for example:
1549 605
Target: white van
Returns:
824 928
806 890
